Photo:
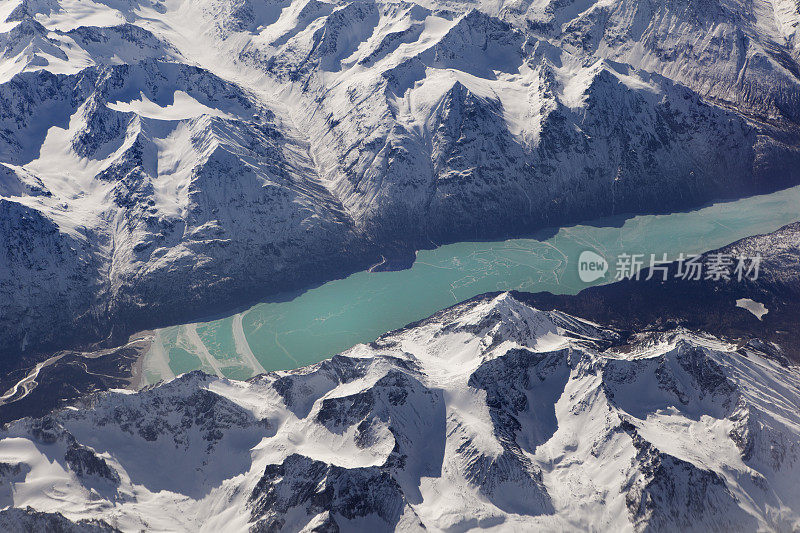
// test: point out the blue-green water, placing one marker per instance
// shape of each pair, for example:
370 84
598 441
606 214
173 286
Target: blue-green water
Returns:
330 318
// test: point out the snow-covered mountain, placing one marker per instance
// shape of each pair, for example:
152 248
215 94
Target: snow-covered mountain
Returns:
160 160
490 414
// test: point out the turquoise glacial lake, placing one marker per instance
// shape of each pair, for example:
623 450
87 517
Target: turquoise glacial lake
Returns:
296 330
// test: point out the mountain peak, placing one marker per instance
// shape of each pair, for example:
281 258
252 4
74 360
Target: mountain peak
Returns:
435 426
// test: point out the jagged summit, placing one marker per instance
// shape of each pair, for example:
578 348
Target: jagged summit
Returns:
490 414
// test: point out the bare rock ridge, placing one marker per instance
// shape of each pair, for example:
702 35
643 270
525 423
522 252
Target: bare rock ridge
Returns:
160 161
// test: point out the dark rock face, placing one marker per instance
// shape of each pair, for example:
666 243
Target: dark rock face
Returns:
10 473
178 410
667 484
84 462
298 388
32 243
31 520
8 470
510 384
327 494
46 430
686 378
752 71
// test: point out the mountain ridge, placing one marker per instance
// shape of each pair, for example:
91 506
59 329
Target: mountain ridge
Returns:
195 156
490 414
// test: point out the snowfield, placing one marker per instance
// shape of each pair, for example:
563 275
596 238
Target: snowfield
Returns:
489 415
162 160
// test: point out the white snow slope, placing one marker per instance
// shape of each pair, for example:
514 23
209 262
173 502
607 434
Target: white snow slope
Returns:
162 159
489 415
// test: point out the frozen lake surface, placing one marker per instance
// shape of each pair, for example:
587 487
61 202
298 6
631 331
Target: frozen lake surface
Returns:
296 330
